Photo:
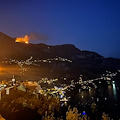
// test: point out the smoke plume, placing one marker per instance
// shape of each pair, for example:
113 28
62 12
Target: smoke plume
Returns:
37 36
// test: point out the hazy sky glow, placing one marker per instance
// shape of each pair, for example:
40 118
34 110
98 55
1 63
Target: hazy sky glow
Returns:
88 24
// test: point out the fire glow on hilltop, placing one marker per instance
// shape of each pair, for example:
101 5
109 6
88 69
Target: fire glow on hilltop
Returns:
23 39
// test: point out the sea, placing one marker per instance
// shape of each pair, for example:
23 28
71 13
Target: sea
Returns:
96 101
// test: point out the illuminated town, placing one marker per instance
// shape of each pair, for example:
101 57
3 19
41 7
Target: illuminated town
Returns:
59 60
51 87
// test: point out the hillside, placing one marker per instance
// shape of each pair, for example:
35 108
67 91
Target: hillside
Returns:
88 63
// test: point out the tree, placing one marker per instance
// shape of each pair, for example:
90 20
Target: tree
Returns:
105 117
1 118
48 117
72 114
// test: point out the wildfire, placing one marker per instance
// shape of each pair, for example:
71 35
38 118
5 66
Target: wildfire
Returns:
23 39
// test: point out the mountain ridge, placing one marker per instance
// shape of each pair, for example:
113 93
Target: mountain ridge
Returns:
85 62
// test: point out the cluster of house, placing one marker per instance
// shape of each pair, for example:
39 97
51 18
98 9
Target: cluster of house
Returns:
23 86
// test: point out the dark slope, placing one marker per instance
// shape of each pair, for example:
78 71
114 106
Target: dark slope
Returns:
9 48
83 61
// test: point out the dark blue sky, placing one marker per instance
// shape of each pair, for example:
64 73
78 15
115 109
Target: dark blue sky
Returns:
88 24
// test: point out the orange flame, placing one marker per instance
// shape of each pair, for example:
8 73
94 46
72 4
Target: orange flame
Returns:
23 39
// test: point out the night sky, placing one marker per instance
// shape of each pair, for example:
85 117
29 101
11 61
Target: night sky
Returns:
88 24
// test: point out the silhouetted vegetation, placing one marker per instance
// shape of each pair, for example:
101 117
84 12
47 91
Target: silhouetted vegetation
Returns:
26 105
18 102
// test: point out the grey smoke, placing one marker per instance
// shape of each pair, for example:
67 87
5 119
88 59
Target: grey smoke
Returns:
38 36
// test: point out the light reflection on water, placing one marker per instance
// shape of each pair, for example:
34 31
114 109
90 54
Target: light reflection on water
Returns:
114 91
105 97
85 95
111 93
